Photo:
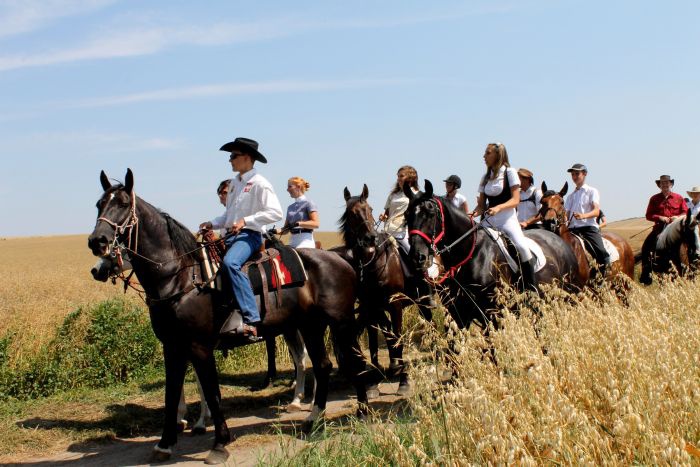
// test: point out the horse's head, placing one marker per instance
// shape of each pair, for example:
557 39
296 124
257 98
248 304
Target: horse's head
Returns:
691 235
116 216
357 223
425 225
552 209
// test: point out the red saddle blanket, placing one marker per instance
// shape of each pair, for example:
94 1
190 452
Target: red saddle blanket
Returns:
269 270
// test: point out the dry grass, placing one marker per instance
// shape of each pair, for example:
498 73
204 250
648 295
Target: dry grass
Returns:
587 383
45 278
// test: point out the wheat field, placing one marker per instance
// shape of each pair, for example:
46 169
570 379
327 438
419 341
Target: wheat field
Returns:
45 278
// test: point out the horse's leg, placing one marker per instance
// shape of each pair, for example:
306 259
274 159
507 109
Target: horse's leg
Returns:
313 332
295 344
205 366
200 427
353 360
397 363
271 347
182 412
175 366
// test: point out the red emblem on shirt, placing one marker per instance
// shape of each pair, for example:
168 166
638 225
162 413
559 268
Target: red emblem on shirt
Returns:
248 187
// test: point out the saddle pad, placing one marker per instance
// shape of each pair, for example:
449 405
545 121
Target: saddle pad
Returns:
282 267
512 262
609 247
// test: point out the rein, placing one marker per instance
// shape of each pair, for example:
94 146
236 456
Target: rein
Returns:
433 242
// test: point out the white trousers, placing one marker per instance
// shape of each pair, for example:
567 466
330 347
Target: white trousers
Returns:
302 240
507 222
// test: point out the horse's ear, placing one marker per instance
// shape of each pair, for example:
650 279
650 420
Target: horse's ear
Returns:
129 181
347 194
428 188
564 189
544 186
408 192
106 185
365 192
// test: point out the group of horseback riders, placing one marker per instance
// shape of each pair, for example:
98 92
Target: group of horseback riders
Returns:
508 201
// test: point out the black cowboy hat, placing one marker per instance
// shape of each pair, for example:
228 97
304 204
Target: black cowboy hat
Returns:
454 179
664 178
247 146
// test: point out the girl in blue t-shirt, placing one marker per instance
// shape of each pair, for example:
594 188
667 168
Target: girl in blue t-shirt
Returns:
302 215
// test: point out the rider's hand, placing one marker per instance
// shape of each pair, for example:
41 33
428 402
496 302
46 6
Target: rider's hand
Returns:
205 226
382 217
523 225
578 215
493 211
237 226
273 231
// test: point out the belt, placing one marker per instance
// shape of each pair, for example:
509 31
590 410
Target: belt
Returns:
298 231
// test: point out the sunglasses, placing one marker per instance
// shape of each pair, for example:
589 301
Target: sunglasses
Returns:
234 155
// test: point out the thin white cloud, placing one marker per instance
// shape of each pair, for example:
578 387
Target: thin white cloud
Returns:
229 89
23 16
126 41
90 141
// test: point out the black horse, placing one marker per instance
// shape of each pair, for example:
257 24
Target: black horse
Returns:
383 285
677 246
187 320
474 263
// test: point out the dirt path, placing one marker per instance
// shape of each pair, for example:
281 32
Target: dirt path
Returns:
258 432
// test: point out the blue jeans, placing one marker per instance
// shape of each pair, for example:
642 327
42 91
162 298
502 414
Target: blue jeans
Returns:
238 249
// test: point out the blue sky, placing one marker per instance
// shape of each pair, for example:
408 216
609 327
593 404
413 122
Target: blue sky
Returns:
339 93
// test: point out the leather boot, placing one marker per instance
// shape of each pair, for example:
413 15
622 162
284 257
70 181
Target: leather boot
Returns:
527 269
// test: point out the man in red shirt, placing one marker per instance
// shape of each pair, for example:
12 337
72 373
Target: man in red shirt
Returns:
663 208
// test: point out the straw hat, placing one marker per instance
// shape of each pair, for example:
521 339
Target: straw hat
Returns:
695 189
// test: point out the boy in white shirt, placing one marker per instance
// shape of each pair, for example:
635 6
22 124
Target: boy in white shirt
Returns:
583 207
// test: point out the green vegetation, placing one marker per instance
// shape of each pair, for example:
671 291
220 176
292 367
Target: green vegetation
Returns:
111 342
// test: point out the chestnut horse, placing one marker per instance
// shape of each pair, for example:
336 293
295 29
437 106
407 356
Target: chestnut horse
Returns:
187 320
554 219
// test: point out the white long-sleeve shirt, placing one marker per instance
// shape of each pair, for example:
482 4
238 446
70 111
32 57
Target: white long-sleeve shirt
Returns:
252 198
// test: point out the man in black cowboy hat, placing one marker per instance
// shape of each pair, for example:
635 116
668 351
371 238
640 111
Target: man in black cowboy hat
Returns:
663 208
251 204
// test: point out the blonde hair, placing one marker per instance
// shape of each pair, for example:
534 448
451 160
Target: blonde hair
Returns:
501 161
411 177
300 182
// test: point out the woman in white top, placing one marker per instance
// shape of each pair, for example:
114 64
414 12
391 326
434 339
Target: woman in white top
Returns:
396 204
452 184
302 215
499 195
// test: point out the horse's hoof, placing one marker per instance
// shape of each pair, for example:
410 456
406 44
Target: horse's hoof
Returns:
294 407
181 426
309 427
199 430
218 455
160 455
404 389
372 392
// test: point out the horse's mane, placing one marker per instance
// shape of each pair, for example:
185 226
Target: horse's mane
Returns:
671 235
182 239
343 227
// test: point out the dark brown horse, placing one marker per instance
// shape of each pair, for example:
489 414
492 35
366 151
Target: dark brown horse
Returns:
187 320
474 262
554 219
382 283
